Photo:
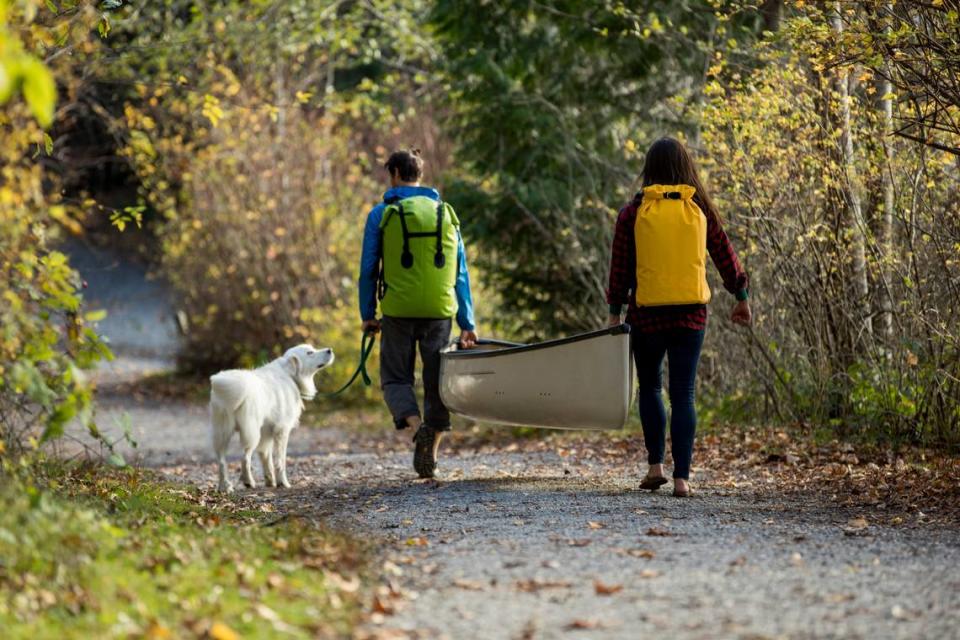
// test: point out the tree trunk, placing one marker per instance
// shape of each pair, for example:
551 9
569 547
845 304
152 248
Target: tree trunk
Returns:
885 231
851 191
772 11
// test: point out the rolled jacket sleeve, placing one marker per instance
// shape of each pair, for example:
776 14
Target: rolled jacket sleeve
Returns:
735 279
465 319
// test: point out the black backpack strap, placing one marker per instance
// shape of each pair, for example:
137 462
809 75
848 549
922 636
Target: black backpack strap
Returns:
439 260
381 279
406 258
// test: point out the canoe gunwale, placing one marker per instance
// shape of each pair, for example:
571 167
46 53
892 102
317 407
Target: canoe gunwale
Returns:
513 347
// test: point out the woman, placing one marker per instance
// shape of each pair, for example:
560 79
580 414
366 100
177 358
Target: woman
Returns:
657 268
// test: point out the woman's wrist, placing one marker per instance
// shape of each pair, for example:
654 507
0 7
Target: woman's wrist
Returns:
743 295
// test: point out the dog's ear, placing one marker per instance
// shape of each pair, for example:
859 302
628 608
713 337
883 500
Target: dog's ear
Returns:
294 363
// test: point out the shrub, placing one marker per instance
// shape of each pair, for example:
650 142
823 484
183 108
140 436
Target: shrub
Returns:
46 339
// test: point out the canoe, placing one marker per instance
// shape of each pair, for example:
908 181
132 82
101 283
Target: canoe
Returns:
583 381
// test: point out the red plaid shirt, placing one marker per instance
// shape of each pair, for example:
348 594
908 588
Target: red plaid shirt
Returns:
623 276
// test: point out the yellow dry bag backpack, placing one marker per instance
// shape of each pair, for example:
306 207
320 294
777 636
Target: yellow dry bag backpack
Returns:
671 241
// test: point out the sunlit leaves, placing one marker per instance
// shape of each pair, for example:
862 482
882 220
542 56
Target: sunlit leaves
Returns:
43 338
211 109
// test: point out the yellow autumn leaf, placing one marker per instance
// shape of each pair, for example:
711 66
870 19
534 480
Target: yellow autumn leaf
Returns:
220 631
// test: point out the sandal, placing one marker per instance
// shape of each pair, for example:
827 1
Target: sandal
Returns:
652 483
686 493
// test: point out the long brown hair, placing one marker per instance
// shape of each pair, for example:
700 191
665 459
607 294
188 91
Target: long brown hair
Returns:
669 162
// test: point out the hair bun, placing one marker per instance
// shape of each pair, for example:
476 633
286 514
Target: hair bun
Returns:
415 151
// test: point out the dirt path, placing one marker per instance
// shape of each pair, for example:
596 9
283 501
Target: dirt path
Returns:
551 539
526 544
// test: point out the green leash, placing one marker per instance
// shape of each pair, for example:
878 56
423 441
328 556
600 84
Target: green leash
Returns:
366 346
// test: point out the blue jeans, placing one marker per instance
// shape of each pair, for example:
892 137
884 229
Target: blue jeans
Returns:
682 347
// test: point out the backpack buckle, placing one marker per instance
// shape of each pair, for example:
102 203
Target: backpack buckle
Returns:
672 195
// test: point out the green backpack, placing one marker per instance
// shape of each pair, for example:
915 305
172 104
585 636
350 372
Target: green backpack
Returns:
419 268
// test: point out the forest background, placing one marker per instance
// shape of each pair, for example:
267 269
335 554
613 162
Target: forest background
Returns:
236 146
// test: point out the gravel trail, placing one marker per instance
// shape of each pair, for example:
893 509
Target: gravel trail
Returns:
550 544
551 539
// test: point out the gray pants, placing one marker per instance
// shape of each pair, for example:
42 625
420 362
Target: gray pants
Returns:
398 360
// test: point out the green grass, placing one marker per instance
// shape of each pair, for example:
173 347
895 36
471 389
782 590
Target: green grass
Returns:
101 553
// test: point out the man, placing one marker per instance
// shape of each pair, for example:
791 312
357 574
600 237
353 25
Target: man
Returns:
423 283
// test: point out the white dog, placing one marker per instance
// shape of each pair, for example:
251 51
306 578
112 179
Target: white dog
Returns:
264 405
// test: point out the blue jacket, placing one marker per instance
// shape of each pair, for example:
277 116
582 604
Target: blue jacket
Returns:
370 260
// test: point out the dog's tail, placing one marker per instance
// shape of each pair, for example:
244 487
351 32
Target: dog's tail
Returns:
229 389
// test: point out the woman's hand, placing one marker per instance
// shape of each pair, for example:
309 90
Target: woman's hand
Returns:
468 339
614 320
742 314
370 326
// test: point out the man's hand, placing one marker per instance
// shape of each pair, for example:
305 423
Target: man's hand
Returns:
468 339
614 320
742 314
371 326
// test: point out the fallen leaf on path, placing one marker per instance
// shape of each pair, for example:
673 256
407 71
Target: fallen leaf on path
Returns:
469 585
532 585
606 589
418 541
582 542
383 607
858 523
837 598
584 623
649 573
663 533
646 554
596 525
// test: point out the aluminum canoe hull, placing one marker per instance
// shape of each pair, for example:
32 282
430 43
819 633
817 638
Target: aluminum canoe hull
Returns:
581 382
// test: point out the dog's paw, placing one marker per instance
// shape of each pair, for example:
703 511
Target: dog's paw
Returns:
285 483
225 488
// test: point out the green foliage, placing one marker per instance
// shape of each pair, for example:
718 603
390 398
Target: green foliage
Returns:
104 554
46 339
246 142
552 104
821 351
20 70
